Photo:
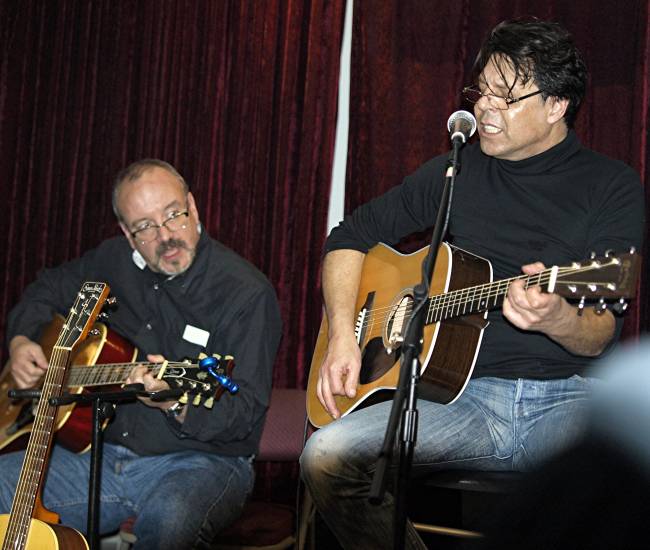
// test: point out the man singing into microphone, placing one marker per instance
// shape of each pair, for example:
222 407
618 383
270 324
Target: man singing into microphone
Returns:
529 195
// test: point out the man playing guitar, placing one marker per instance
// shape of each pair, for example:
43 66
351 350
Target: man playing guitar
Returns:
184 473
529 194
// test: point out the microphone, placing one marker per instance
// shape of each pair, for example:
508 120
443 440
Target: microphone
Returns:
461 126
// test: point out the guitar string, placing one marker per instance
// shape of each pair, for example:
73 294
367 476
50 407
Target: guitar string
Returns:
440 307
455 298
33 464
457 291
35 455
80 374
34 460
451 298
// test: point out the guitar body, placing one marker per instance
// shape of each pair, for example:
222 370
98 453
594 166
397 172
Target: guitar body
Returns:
450 347
73 422
44 536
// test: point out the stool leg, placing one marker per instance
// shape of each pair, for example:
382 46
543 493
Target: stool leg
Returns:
305 527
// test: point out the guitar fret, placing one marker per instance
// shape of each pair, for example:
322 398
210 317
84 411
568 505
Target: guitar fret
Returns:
464 301
455 304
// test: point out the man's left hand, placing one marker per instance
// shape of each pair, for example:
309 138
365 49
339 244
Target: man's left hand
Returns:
142 375
532 309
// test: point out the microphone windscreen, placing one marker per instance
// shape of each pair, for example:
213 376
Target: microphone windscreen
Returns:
462 121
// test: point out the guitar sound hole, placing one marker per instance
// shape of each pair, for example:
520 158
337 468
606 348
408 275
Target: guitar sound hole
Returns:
375 362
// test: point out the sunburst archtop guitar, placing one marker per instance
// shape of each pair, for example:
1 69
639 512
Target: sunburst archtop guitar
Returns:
103 359
461 293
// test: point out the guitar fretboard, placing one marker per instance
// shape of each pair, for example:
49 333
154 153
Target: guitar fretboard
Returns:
36 453
115 373
479 298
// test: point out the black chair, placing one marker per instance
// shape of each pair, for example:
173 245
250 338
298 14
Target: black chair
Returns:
270 525
458 503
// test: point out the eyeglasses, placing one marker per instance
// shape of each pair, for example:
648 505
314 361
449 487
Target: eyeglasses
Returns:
150 231
473 95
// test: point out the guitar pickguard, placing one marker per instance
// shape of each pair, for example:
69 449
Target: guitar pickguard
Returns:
376 361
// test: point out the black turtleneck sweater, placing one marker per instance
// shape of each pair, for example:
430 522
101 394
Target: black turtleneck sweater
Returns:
555 207
221 294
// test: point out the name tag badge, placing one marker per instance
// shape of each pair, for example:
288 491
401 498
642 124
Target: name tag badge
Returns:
196 335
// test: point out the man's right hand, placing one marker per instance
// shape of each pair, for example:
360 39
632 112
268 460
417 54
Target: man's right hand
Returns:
339 373
27 362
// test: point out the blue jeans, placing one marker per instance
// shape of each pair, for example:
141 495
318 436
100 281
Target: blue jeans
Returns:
496 424
181 500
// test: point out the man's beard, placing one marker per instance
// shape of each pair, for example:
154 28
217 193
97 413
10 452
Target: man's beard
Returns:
168 245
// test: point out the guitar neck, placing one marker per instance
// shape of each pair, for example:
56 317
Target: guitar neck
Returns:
36 454
114 373
480 298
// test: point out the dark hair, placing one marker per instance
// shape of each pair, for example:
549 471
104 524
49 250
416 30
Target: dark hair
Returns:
135 170
542 51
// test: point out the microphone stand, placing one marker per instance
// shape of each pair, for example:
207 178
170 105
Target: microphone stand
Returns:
405 398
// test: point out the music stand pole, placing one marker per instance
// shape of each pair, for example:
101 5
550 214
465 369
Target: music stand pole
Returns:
102 410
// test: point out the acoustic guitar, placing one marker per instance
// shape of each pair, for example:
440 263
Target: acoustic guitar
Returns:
460 295
103 359
29 524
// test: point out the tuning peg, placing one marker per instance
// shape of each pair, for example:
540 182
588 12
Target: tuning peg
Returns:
600 307
209 402
209 363
183 398
581 306
228 384
197 400
620 306
108 305
95 332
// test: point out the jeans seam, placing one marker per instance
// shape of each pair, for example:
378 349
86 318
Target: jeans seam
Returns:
491 429
215 502
77 502
463 460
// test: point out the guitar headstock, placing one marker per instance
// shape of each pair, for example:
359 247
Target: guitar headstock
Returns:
87 306
206 383
605 278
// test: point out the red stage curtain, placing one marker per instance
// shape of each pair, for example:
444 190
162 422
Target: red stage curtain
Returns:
411 59
239 95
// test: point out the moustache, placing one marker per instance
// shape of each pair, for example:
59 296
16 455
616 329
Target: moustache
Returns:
168 245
